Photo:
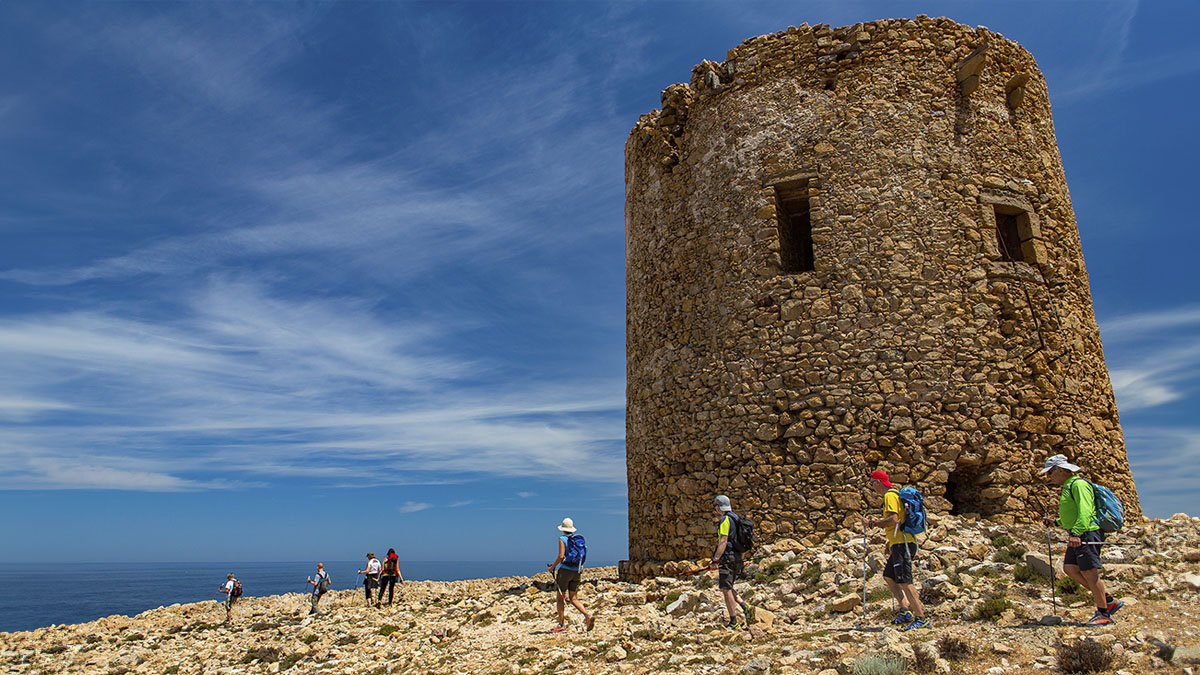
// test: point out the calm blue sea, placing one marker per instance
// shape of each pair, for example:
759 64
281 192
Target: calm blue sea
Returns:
34 595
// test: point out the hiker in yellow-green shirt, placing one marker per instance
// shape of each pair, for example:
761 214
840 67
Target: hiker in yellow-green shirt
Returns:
901 548
728 563
1077 515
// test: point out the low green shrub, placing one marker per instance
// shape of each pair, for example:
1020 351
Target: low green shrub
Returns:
879 594
1027 575
1012 555
991 608
1002 540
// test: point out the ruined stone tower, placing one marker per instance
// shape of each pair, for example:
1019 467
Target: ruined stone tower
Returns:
850 249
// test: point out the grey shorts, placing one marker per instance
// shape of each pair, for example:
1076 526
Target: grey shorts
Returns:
729 570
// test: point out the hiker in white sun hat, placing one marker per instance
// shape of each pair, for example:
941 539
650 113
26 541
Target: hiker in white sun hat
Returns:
572 552
1078 516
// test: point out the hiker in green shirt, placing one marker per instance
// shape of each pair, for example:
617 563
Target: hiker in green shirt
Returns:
1077 515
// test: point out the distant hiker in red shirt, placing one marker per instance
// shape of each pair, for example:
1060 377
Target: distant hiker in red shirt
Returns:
389 576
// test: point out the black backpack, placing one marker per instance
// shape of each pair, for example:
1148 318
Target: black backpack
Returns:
323 584
236 591
741 534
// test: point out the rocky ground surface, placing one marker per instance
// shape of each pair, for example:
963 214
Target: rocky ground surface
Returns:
980 579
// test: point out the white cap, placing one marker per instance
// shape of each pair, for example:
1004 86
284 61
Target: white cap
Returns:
1059 462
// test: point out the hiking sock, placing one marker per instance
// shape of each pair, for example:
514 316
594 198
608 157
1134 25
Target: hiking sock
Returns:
1108 598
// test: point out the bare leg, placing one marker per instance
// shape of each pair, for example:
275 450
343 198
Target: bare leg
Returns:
574 597
730 603
914 599
897 593
1073 572
1095 584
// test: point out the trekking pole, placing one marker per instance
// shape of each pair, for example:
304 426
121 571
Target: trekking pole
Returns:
1053 582
864 571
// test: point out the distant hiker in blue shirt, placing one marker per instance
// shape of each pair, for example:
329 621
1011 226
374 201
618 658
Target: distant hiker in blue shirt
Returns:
572 552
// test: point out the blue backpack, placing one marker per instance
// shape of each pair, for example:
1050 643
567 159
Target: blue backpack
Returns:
914 510
576 552
1110 512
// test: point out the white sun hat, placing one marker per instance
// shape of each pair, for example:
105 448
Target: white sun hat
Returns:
567 526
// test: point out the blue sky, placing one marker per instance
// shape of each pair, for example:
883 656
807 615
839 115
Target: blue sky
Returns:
286 282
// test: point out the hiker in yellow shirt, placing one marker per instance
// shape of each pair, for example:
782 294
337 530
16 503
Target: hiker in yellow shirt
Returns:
901 548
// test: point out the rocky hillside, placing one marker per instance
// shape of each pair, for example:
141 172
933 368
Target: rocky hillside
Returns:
981 581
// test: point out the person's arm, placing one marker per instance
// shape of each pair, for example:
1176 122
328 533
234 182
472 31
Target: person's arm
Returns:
891 520
562 551
721 544
722 541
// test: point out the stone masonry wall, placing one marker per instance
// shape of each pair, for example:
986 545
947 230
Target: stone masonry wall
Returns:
912 346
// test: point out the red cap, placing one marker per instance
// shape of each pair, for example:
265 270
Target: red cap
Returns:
882 477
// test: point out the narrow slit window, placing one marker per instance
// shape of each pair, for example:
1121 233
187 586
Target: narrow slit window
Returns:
1008 235
795 227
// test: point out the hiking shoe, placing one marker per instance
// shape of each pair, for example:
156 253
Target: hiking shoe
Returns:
734 625
590 621
1100 619
906 617
558 629
748 610
917 623
1113 606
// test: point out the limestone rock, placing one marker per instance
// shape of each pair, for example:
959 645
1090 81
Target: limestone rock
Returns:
845 603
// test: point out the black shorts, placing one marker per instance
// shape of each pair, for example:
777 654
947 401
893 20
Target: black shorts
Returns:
729 570
899 563
1085 557
567 580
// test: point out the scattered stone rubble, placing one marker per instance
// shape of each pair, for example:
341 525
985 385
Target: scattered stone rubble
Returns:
809 618
919 340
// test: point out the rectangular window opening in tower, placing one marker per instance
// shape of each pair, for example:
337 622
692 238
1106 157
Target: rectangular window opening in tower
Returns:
1008 233
795 226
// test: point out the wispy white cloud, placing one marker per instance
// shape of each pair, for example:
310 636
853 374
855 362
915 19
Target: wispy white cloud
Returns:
526 495
413 507
1153 357
1110 67
247 383
314 187
1166 466
455 505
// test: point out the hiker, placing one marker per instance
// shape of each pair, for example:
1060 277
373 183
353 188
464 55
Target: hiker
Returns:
1077 515
572 551
320 585
371 581
232 590
389 576
901 547
728 562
